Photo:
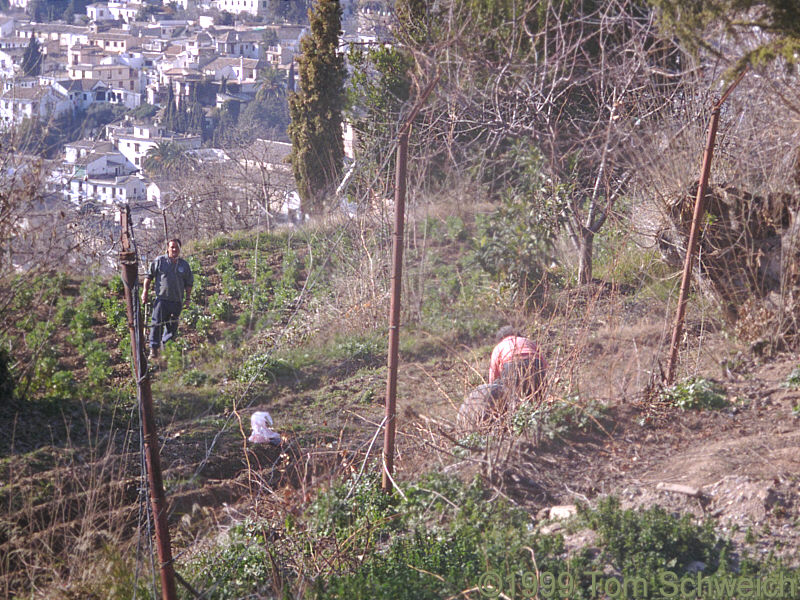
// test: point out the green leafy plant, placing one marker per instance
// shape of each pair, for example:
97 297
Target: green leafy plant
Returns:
62 384
194 377
220 308
263 367
176 355
695 393
361 348
514 243
558 418
793 379
641 543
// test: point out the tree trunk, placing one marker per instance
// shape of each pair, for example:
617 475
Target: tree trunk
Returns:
585 251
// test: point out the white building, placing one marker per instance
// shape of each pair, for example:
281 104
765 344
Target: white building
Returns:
98 11
124 11
10 61
134 141
108 189
37 102
234 69
253 7
82 92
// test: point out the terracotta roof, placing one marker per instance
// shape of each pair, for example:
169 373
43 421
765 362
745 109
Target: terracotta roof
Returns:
25 93
78 85
222 62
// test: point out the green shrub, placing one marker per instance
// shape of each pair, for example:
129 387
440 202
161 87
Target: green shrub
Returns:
367 348
695 393
355 505
445 536
514 243
175 355
456 230
98 364
239 567
643 543
200 281
263 367
558 418
62 384
202 324
793 379
194 377
64 311
220 308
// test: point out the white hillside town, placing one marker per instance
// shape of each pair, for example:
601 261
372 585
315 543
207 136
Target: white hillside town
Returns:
130 100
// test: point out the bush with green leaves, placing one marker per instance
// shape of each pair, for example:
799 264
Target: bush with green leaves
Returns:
238 567
263 367
231 286
194 378
514 243
97 362
642 543
444 535
558 418
363 348
176 355
793 379
436 538
695 393
220 308
62 384
285 292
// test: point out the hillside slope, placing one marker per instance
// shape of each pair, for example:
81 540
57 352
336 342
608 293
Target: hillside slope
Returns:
295 324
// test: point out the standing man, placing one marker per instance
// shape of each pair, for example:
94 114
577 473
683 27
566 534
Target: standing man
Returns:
173 282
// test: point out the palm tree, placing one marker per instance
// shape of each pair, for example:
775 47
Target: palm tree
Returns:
167 159
271 84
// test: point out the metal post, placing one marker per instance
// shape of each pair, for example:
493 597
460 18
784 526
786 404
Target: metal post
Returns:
166 231
694 232
394 310
157 500
397 271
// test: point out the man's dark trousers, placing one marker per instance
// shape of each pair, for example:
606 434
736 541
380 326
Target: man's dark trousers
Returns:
165 321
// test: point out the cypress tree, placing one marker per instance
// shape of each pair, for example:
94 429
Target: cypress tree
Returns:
32 58
316 108
170 113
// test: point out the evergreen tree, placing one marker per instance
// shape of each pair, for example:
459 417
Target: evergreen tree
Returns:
6 378
32 58
316 109
195 117
778 19
69 13
169 118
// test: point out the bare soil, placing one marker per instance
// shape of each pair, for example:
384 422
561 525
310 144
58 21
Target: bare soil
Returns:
739 464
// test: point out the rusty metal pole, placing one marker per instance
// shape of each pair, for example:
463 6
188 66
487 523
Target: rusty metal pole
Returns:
166 231
694 232
397 272
394 311
158 503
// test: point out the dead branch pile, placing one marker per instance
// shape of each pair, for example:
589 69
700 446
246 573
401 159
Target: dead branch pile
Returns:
748 255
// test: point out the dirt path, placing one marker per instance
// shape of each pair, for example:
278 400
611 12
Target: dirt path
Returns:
739 465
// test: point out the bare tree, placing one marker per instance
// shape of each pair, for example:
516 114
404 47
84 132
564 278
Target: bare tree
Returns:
571 82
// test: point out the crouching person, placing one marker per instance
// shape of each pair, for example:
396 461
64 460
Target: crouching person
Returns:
482 408
517 363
